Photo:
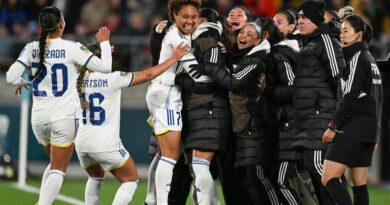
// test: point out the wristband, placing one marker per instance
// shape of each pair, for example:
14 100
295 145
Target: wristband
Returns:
333 126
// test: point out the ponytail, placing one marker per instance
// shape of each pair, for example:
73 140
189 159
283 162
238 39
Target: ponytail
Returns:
42 45
96 50
358 24
368 32
49 18
79 86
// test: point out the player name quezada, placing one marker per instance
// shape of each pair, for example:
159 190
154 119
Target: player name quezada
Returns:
58 53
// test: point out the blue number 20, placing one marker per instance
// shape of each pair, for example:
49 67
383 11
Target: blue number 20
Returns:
95 110
56 67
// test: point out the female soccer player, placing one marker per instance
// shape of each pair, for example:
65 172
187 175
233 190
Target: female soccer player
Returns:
54 63
98 143
164 97
353 132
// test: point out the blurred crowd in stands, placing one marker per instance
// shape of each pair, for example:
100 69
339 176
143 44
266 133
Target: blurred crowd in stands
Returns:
135 18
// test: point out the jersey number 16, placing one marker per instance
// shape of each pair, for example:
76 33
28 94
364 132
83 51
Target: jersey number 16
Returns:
97 115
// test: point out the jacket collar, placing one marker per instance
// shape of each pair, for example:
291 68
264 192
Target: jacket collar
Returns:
349 51
264 45
293 44
206 26
330 28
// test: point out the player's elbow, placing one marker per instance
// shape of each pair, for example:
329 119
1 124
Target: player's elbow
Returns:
10 78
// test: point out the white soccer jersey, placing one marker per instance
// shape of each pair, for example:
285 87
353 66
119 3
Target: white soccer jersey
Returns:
163 92
54 89
171 40
99 124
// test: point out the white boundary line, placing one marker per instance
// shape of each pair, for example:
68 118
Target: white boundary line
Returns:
60 197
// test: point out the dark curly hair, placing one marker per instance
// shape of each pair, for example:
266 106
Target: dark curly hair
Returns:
174 6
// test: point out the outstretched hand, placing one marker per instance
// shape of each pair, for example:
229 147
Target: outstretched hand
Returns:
18 90
195 71
103 34
161 26
180 51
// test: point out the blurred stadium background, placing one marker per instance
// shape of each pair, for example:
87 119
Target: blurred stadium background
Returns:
130 22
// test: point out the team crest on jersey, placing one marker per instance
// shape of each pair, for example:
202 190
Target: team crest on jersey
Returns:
125 74
85 49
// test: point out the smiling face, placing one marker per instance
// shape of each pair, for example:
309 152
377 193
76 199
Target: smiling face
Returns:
186 19
348 35
247 37
306 27
237 18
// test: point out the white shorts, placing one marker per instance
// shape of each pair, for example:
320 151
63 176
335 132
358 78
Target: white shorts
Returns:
58 134
108 160
164 120
164 104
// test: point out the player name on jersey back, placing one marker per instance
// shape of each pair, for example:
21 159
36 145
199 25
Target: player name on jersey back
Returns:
57 53
95 83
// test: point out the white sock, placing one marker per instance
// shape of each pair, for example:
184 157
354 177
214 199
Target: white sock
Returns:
203 180
151 191
92 190
125 193
214 197
52 187
164 172
45 176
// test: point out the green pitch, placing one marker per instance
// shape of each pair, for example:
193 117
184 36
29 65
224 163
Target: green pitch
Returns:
10 195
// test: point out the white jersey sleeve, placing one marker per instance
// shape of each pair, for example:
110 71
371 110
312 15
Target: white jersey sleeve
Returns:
171 40
85 58
24 56
123 79
81 54
17 68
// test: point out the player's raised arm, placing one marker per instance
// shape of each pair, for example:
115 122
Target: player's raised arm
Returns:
150 73
104 64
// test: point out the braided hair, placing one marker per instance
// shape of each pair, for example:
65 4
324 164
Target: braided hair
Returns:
96 50
49 18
